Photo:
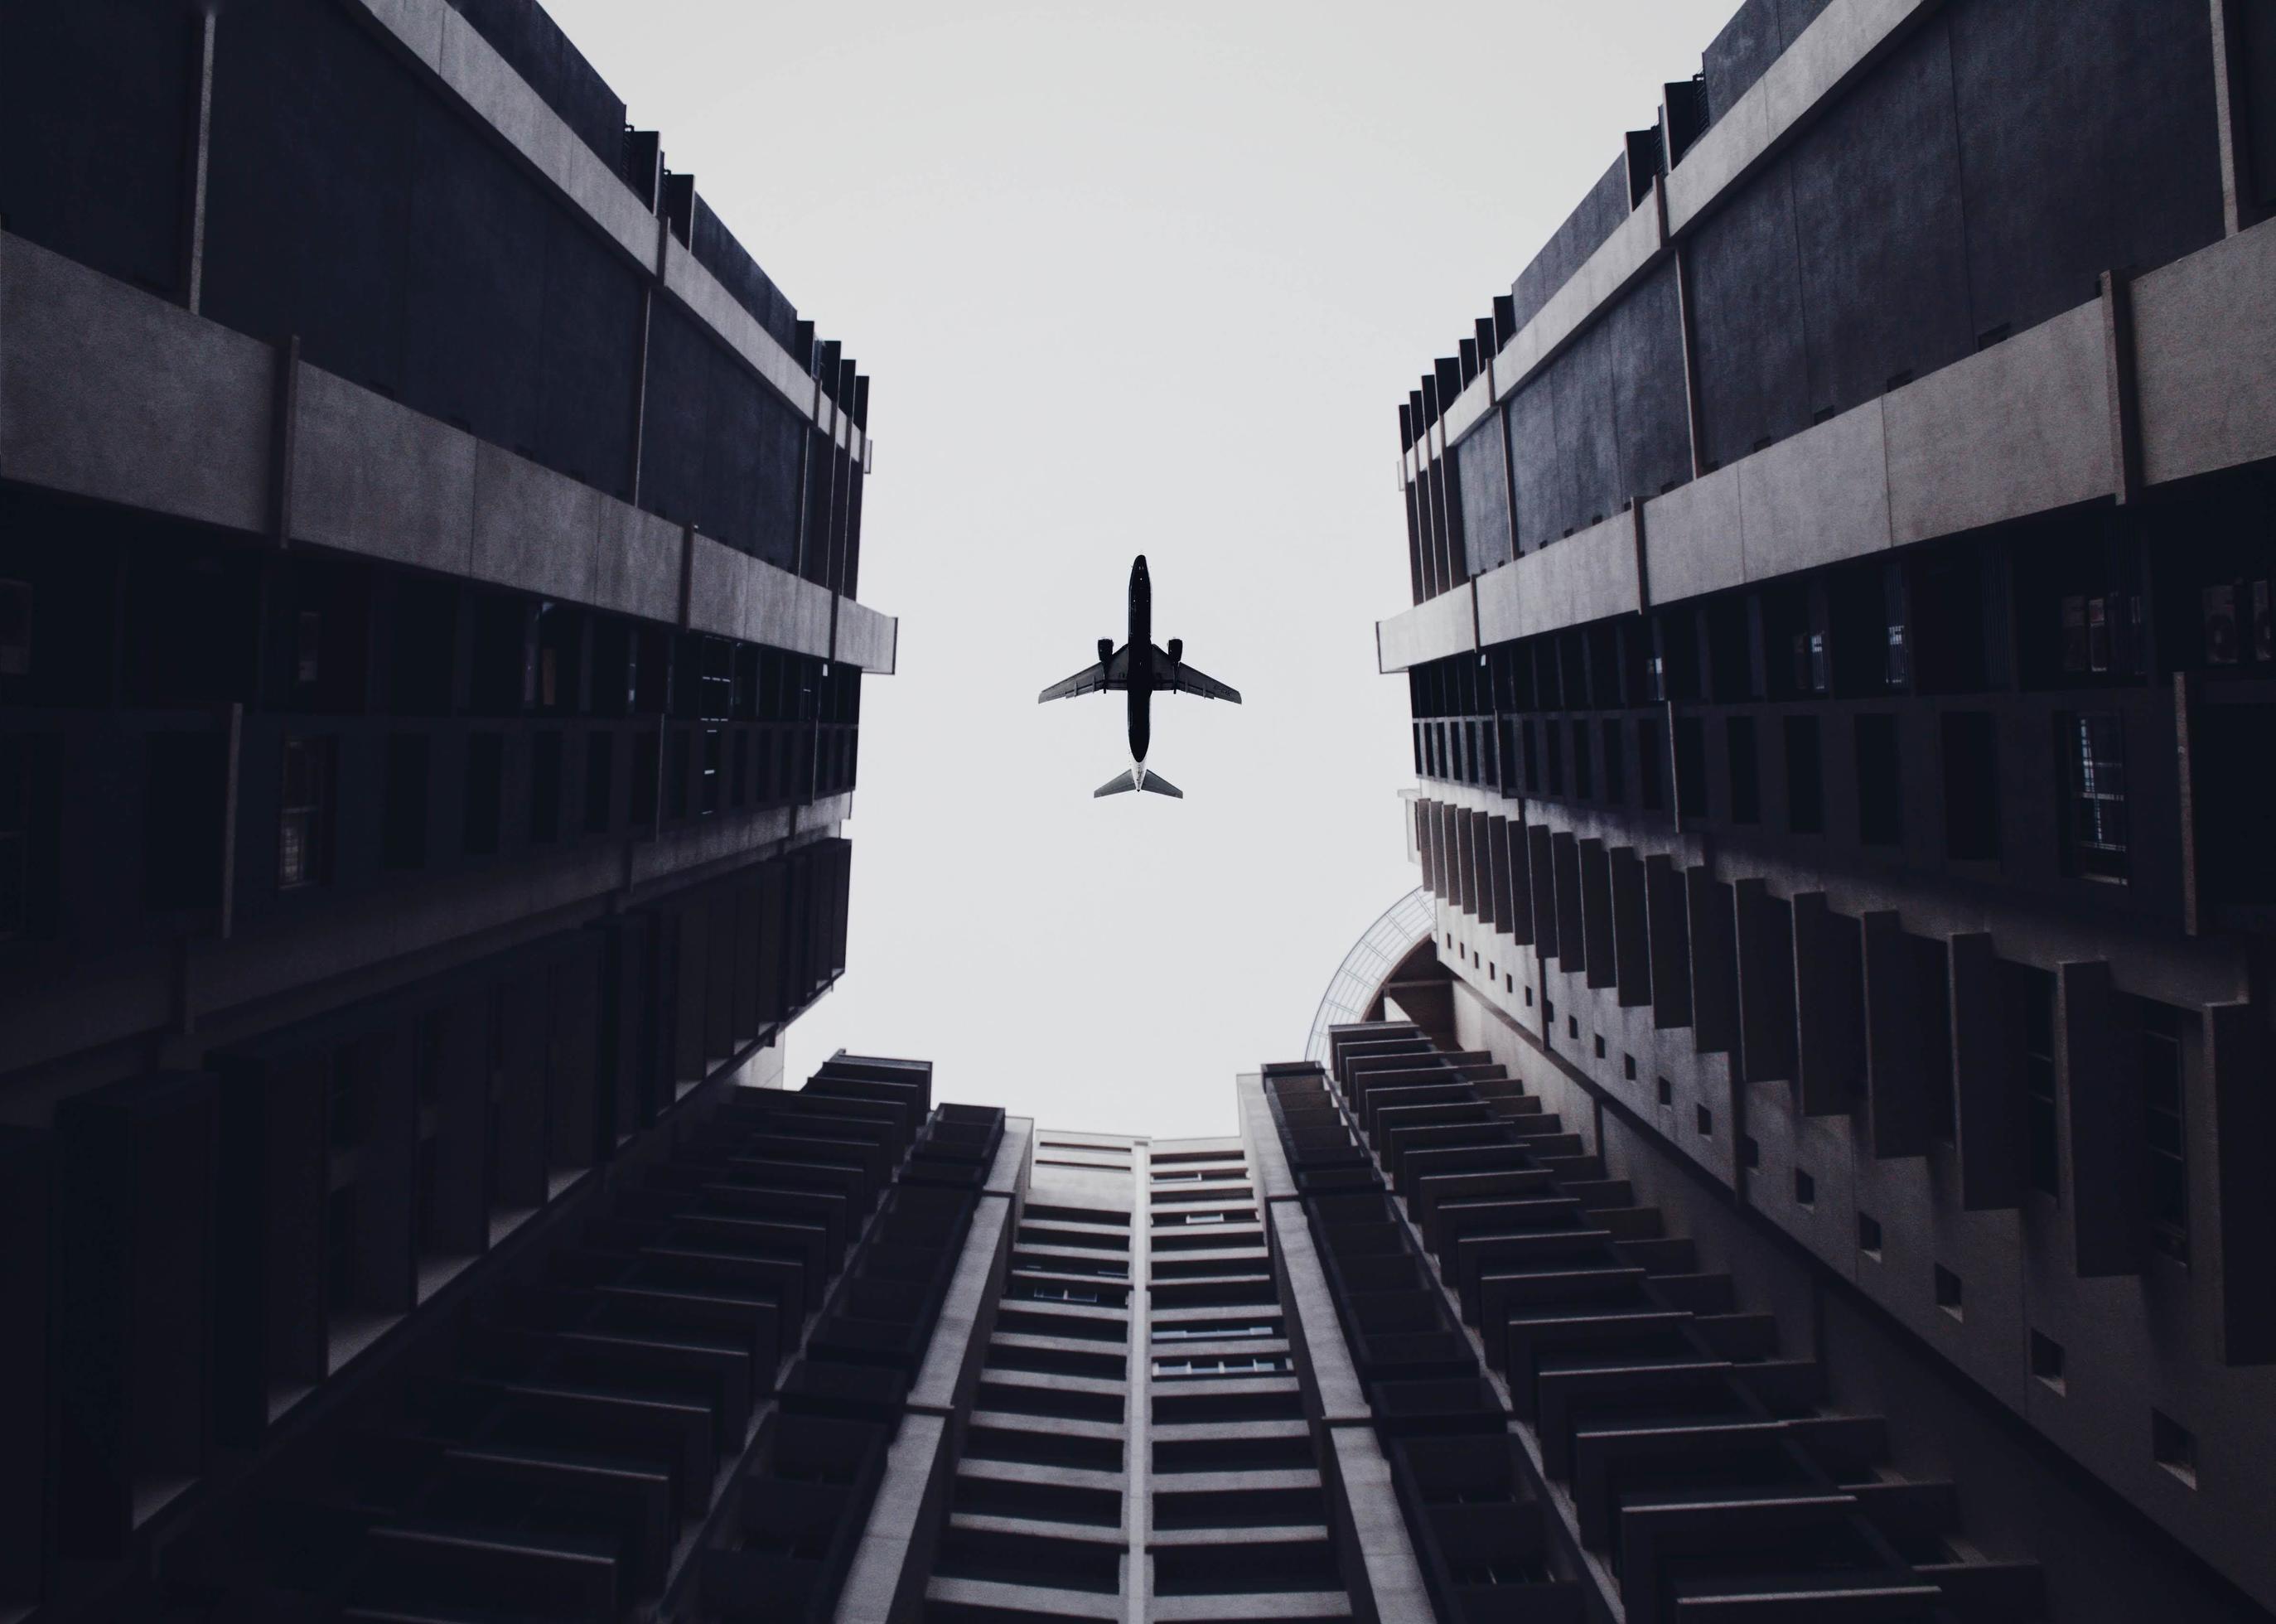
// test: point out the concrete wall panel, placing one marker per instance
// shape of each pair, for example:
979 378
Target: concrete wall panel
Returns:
2205 339
1816 498
108 391
1430 631
373 477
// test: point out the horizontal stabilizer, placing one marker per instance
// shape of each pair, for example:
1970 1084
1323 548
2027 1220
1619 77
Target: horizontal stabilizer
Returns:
1138 777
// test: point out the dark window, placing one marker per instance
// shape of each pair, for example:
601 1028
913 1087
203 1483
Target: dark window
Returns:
2174 1446
1600 1044
15 628
1706 1123
1627 1066
710 798
1750 1150
1691 767
1971 785
1869 1234
1805 776
545 787
1533 757
2163 1126
340 1248
1616 787
2033 992
675 783
15 836
402 817
1554 732
304 813
1584 787
485 791
600 782
308 647
1745 770
1947 1291
2047 1360
1666 1090
1648 786
2093 752
1805 1187
1880 781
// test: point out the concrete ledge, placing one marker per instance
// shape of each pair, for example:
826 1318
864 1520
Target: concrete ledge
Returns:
471 69
1334 1379
2204 346
109 392
868 638
1691 537
1631 250
162 410
1818 497
1431 630
1589 576
2019 429
1841 41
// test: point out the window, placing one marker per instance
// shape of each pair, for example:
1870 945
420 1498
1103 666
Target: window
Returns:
1869 1236
1666 1090
709 797
2174 1446
2034 992
1805 1188
1691 767
1706 1123
545 787
600 781
307 646
1750 1150
15 837
304 813
1573 1028
1746 771
1947 1292
15 628
1880 782
2093 752
1971 786
1583 779
1616 787
1805 776
1554 732
2047 1360
1600 1044
2162 1142
485 792
1647 786
403 816
1627 1066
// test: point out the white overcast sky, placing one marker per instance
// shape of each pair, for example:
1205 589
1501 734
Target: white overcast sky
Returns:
1130 277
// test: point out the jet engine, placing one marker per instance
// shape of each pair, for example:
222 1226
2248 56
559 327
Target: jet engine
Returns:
1177 649
1105 649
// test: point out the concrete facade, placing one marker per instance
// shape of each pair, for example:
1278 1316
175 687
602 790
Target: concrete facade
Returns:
431 665
1835 842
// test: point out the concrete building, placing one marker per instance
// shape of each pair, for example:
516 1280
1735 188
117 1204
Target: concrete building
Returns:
430 669
1842 678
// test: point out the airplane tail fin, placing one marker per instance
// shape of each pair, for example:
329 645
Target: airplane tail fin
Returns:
1153 783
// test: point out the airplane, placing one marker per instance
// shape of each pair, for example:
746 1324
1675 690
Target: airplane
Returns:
1144 671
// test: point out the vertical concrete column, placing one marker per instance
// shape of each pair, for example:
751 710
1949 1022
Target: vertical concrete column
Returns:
1572 930
2098 1104
2243 1094
1896 1083
1491 881
1540 854
1829 1006
1481 869
1986 1084
1426 843
1764 928
1631 928
1667 919
1517 874
1711 921
1596 914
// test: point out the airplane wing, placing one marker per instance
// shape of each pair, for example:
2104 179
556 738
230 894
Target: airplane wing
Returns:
1171 676
1114 673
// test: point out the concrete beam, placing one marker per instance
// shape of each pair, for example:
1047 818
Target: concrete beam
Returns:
1433 629
2238 1077
1667 918
2098 1104
1896 1077
1631 928
1987 1101
1828 1017
1764 930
